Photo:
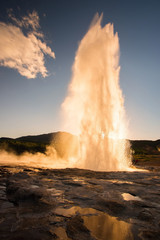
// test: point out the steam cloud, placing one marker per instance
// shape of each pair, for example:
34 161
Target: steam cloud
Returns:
24 52
48 160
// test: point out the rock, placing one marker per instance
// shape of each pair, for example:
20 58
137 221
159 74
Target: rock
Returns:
76 230
7 205
150 235
23 190
113 206
28 200
17 193
145 215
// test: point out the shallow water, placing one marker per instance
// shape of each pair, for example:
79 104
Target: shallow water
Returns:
101 225
61 233
130 197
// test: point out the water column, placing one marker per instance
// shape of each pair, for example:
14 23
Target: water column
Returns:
94 107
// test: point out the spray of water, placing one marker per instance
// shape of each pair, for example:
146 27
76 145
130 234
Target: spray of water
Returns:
94 107
94 110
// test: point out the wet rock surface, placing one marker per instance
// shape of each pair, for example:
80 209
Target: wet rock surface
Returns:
78 204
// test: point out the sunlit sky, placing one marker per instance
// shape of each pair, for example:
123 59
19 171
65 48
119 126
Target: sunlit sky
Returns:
34 82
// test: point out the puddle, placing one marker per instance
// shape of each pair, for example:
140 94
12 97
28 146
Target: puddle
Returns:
119 181
78 180
129 197
55 192
61 234
48 180
68 212
34 186
14 169
101 225
105 227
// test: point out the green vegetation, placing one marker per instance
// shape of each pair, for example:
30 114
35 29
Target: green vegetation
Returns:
19 147
146 152
145 147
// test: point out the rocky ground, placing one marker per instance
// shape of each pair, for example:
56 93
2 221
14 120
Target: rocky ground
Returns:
44 204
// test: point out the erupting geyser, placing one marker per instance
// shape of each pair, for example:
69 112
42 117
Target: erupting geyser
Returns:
94 107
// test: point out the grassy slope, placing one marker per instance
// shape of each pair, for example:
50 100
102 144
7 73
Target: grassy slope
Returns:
146 152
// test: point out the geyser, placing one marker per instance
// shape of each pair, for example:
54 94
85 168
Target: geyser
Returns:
94 107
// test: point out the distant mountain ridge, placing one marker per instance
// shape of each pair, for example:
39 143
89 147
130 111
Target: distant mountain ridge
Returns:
42 138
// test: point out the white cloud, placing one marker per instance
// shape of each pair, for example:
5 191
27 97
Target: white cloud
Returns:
24 52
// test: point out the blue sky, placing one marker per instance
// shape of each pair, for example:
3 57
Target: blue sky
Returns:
32 106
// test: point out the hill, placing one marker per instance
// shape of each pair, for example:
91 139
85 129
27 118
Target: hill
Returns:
145 146
43 138
66 144
145 152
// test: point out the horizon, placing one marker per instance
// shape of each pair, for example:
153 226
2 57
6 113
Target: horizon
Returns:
32 88
31 135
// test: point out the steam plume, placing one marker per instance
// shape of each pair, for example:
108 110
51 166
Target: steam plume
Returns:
94 107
